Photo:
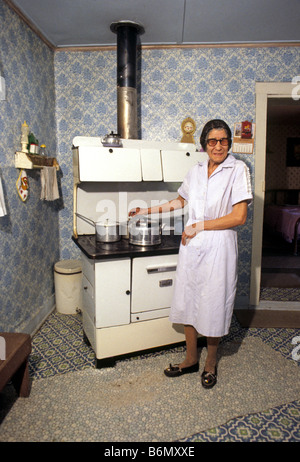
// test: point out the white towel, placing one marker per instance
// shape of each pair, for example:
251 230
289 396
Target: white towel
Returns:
2 202
49 190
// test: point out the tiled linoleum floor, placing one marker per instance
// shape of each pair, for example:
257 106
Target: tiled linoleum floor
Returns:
59 348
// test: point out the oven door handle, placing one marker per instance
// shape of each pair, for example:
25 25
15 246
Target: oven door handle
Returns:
161 269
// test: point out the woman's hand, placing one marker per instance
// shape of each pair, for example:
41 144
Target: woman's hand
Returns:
170 206
137 211
190 231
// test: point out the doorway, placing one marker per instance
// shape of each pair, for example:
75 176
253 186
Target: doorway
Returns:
280 268
265 92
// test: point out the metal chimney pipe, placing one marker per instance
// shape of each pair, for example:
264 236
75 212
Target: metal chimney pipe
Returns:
127 32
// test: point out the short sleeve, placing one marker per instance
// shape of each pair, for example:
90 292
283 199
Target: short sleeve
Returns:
241 190
183 191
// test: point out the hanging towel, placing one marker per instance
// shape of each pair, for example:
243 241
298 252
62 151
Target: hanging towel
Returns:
49 190
2 202
22 185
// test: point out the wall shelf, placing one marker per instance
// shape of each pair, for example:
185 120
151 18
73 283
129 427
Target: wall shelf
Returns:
32 161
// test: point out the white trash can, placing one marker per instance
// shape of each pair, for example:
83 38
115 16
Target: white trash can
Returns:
68 286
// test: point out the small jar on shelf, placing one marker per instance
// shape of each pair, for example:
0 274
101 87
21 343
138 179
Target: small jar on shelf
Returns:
43 151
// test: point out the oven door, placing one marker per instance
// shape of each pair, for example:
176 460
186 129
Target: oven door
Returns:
152 286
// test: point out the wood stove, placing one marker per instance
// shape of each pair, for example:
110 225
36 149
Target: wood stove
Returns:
127 289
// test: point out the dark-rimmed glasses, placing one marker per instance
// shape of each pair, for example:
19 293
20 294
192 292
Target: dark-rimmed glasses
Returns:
213 142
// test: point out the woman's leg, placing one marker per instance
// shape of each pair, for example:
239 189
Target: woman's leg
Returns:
190 364
191 336
211 359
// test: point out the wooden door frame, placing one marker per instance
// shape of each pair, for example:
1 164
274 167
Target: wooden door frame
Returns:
263 90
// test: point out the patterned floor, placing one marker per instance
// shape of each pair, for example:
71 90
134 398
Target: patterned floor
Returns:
58 348
280 294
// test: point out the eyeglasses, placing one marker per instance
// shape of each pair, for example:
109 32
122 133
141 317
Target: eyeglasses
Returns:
213 142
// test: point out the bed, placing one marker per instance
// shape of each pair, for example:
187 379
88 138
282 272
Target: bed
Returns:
284 219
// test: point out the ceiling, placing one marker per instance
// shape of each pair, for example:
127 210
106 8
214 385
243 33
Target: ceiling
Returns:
73 23
86 23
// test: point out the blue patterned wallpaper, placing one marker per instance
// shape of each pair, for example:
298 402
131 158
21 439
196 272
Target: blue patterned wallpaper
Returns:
202 83
29 233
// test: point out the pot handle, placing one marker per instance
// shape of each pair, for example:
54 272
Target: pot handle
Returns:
89 220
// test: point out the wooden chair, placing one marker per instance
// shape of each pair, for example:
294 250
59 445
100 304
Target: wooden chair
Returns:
14 366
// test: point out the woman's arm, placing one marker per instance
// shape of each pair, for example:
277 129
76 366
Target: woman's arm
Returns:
236 217
174 204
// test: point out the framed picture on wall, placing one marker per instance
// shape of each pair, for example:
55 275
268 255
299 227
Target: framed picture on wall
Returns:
293 152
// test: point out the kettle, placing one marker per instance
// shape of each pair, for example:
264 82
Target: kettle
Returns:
112 140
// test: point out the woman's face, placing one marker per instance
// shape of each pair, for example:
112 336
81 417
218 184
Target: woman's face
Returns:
218 153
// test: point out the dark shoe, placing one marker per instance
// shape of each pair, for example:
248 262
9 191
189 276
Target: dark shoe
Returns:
176 371
208 379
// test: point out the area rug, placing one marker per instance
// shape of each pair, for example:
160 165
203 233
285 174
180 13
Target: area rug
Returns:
135 402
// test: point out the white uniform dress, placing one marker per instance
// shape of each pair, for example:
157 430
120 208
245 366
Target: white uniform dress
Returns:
206 277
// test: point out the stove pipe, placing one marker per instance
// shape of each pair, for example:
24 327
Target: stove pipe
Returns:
127 32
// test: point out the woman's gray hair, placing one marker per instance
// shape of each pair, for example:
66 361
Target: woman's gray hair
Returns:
216 124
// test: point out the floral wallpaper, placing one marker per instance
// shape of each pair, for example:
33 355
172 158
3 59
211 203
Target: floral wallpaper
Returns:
72 93
29 232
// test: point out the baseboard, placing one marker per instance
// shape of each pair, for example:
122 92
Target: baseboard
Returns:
34 324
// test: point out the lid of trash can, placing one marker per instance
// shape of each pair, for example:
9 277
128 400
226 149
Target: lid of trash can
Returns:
68 266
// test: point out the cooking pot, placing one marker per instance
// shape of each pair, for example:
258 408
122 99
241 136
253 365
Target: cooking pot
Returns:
125 226
106 231
124 229
113 140
143 231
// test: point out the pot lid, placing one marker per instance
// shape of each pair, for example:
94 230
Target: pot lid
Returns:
68 266
112 140
112 135
145 223
106 222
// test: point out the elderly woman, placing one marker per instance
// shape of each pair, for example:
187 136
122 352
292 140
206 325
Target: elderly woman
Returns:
218 192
